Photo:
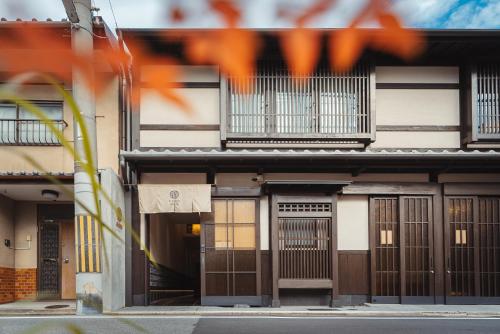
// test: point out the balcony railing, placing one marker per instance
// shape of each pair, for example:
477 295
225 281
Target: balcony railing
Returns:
488 104
29 132
325 105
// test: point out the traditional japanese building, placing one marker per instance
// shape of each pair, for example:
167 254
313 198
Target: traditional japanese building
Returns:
381 184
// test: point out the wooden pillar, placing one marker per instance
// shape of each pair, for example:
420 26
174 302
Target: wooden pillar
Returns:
275 251
335 262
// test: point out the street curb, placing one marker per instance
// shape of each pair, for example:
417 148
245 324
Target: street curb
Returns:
313 314
4 313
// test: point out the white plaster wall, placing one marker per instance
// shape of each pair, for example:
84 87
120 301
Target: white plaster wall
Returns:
186 73
417 74
417 107
264 223
203 103
352 222
180 138
26 224
6 231
408 139
173 178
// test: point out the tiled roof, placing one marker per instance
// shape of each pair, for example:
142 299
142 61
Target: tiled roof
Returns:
189 154
34 173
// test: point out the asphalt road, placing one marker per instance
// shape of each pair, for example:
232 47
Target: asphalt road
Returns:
254 325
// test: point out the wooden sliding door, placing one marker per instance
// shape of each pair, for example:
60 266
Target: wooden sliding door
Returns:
402 249
472 249
230 258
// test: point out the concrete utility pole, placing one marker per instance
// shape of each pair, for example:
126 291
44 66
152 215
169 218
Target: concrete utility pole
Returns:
87 231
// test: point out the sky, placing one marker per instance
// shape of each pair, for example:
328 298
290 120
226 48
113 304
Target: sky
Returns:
442 14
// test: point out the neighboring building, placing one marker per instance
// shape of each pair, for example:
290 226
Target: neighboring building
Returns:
37 225
381 184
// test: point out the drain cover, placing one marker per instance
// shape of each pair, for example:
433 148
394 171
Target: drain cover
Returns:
51 307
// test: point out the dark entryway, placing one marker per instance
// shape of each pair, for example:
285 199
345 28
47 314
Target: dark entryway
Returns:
174 275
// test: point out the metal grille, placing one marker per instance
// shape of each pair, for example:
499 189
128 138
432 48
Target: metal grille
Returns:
305 207
304 248
49 259
19 127
461 238
489 246
276 104
416 221
488 106
387 270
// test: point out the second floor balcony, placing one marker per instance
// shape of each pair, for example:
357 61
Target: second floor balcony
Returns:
275 105
19 127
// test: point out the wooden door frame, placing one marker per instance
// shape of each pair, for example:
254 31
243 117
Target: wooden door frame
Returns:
45 212
293 197
432 291
257 300
477 192
39 260
435 286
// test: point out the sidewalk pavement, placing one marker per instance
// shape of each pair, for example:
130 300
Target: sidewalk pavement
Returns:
366 310
57 307
45 308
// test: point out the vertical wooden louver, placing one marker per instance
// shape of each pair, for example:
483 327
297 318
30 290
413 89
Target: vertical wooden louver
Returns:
387 262
489 246
461 261
304 241
401 243
487 101
275 104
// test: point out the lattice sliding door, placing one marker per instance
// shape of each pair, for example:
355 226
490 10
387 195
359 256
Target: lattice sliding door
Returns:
402 249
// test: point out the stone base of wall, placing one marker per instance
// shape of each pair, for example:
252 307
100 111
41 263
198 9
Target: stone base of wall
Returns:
25 284
7 289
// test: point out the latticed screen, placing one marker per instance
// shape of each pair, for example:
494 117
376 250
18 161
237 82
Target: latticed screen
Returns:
488 103
416 217
275 103
462 268
304 242
489 246
387 269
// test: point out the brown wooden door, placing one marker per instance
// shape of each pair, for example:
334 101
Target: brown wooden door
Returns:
68 264
417 275
472 249
402 249
230 257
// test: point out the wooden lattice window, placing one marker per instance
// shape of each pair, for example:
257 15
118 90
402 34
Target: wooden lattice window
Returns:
275 104
486 102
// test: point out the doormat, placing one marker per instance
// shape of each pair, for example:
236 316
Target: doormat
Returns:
51 307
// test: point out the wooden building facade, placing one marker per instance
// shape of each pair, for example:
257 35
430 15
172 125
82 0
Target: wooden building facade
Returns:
377 185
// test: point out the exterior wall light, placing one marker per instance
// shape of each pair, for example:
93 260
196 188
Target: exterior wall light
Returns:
50 194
